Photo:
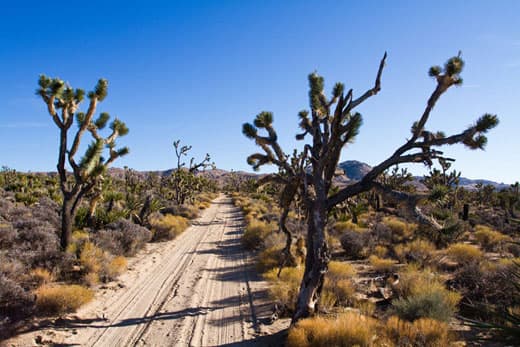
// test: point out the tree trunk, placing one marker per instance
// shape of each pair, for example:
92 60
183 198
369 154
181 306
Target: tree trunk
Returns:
316 264
67 218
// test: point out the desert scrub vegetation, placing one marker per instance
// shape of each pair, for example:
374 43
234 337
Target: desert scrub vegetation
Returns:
417 251
464 253
346 329
423 332
382 264
490 240
422 294
167 227
61 298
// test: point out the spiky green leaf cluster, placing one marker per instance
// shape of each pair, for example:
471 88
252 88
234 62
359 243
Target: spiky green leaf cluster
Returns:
119 126
100 90
249 130
263 119
102 120
316 85
92 157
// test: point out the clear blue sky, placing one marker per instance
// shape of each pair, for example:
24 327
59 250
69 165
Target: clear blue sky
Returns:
197 70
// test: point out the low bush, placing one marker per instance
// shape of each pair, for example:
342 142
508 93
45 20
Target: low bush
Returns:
434 302
269 258
122 237
343 226
255 233
113 268
381 264
14 299
167 227
284 289
41 276
490 240
422 294
338 287
354 243
464 253
59 299
417 251
423 332
401 230
347 329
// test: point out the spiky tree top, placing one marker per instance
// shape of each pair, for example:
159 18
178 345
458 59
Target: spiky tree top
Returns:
333 122
63 103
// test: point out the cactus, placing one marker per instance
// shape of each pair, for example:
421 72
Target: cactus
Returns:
62 102
332 123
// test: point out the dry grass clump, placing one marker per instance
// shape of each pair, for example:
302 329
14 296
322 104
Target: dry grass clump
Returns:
59 299
381 264
464 253
338 287
255 233
423 295
423 332
400 229
489 239
269 258
167 227
284 289
419 251
348 329
115 267
41 276
343 226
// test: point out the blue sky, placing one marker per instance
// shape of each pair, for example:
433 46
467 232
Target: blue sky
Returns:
197 70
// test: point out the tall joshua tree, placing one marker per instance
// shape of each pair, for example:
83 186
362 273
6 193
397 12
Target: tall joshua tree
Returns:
330 125
63 103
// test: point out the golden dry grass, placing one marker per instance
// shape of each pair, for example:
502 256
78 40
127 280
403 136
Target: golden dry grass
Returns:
464 253
168 227
347 329
59 299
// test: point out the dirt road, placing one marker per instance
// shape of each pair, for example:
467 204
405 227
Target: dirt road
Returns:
198 290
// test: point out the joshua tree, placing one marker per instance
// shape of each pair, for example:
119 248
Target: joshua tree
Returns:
183 180
332 124
63 103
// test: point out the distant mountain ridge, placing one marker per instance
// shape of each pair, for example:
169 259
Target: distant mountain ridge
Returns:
354 171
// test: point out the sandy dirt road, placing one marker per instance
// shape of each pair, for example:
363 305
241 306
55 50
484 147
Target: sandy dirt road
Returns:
197 290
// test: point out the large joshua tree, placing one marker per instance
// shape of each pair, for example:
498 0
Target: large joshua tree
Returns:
330 125
63 103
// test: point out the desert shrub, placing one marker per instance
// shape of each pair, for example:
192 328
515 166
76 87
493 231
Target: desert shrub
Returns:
422 294
419 251
8 235
489 239
464 253
269 258
486 283
343 226
14 299
423 332
255 233
284 289
338 287
59 299
41 276
113 268
381 264
186 211
348 329
434 302
400 229
380 251
354 244
122 237
167 227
